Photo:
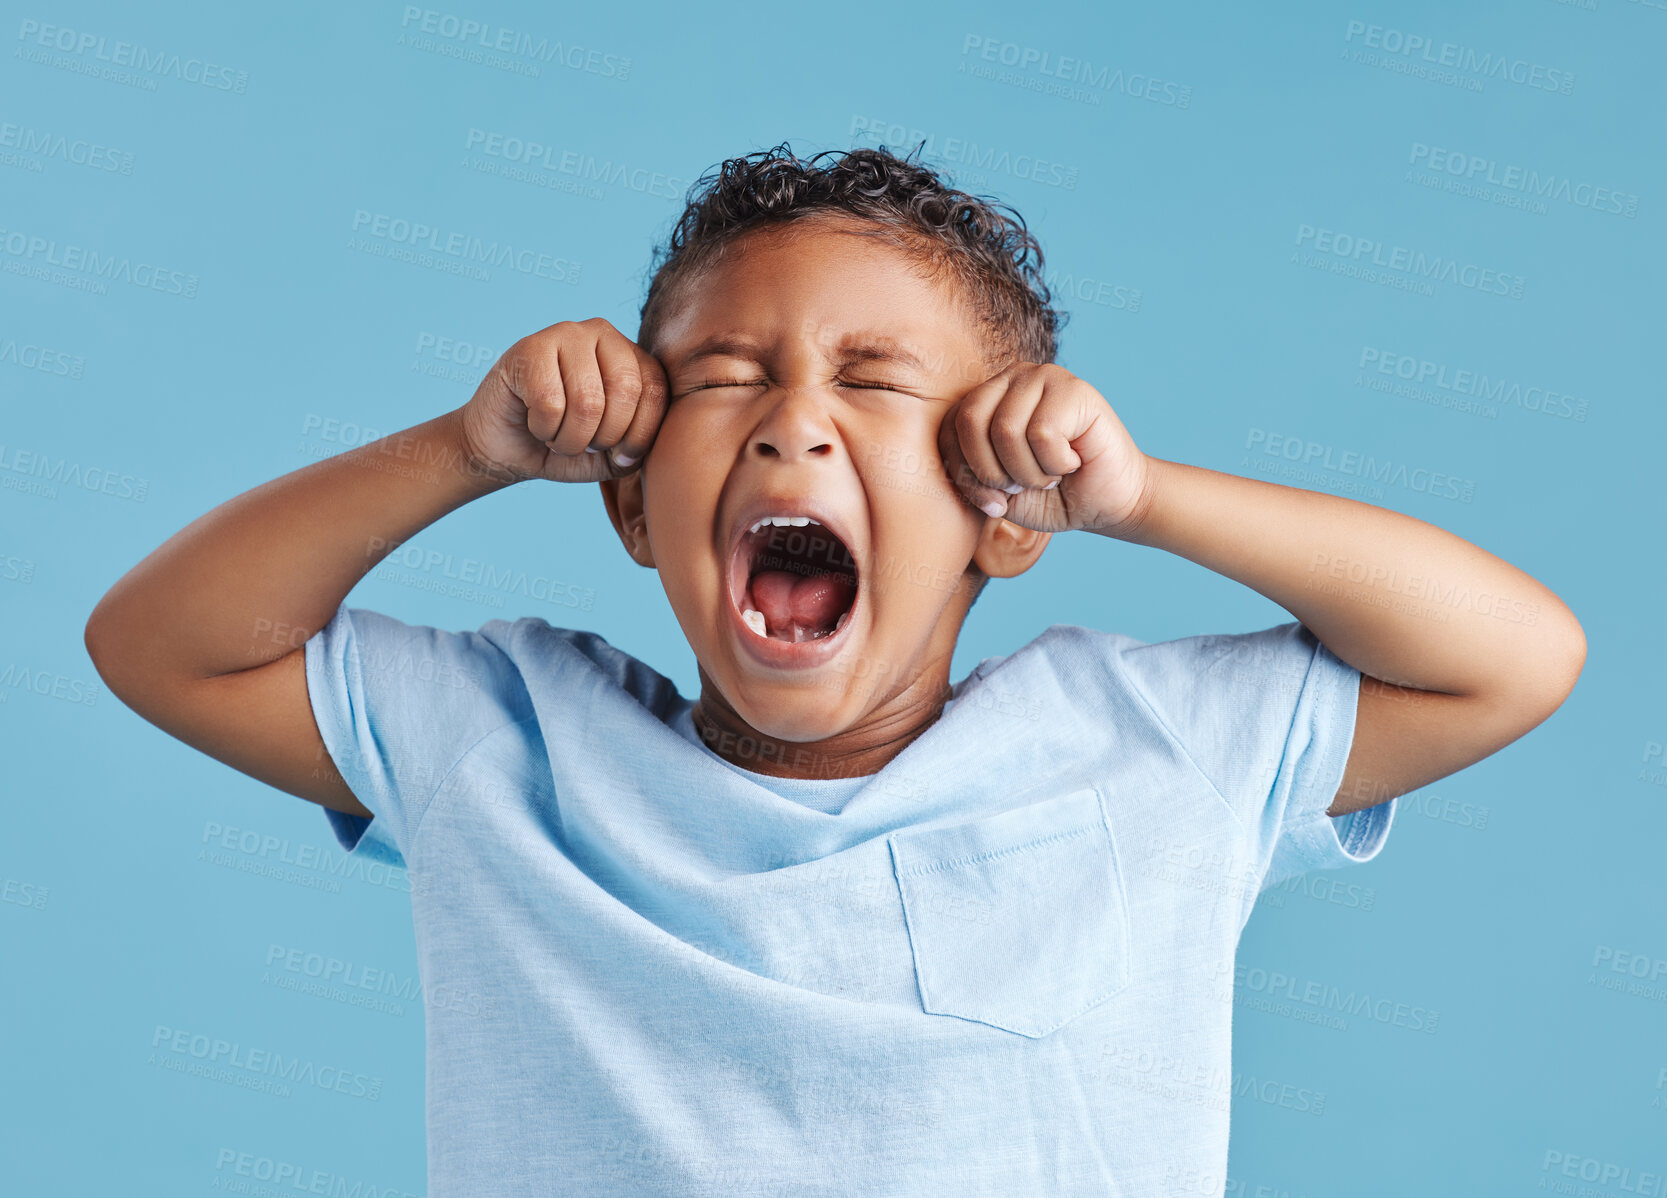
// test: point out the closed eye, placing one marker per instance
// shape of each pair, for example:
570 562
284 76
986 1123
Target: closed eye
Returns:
761 382
722 383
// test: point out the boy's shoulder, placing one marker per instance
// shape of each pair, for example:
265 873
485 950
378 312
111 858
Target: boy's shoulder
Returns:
1274 648
1180 671
1271 647
541 649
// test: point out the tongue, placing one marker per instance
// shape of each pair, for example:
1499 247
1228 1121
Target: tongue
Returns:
813 602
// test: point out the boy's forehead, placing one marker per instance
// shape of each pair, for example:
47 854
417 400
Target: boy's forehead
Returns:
926 339
934 360
842 342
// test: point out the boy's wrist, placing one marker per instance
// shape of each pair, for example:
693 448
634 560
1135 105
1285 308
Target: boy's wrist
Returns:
1135 527
480 472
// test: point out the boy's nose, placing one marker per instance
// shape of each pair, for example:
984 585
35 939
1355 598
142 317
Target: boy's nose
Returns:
796 426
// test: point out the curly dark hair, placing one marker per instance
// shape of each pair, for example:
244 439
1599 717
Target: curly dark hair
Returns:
992 256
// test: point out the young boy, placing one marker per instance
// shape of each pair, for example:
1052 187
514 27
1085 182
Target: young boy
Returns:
837 926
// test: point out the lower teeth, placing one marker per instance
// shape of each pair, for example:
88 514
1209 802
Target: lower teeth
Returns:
755 621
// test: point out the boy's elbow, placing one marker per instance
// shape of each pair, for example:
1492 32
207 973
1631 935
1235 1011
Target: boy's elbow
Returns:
1570 654
1558 666
103 638
1537 680
1575 662
99 635
92 636
98 639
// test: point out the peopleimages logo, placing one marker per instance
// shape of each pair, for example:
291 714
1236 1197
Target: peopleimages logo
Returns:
450 359
1310 456
538 156
1516 183
465 33
36 473
42 358
77 151
1368 251
1433 53
1472 384
253 1068
1600 1172
265 853
1323 997
153 63
286 1177
30 254
469 253
959 151
1091 79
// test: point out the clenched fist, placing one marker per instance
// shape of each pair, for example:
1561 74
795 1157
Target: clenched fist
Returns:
1038 446
577 402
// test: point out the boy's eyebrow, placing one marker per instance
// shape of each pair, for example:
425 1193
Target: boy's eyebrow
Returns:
877 347
854 347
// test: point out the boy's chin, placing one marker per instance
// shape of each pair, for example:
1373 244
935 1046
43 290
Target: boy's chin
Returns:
812 706
798 719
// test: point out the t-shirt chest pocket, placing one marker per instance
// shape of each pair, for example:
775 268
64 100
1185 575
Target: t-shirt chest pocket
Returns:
1017 920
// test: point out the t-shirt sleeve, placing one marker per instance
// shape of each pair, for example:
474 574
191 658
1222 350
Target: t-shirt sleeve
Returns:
1268 718
397 705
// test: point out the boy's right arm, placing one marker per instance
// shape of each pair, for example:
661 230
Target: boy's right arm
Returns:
205 637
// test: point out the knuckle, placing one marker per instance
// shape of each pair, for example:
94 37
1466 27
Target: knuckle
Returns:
1007 430
587 390
587 406
623 387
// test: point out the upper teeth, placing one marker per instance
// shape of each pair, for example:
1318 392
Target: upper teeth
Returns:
784 522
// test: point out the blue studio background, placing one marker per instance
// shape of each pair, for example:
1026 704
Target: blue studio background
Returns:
1228 196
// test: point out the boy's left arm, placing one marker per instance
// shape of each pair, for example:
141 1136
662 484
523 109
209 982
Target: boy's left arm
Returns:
1460 652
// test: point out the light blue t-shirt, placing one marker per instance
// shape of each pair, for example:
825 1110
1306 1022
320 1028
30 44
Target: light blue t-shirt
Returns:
1002 965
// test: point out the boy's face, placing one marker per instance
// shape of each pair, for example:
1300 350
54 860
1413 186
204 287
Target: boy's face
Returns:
792 395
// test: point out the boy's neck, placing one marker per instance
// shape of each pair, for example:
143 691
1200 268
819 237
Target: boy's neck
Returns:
858 751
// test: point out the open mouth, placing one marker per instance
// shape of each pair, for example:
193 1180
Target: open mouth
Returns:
792 579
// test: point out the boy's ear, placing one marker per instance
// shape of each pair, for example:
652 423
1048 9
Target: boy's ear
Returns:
1006 549
623 499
